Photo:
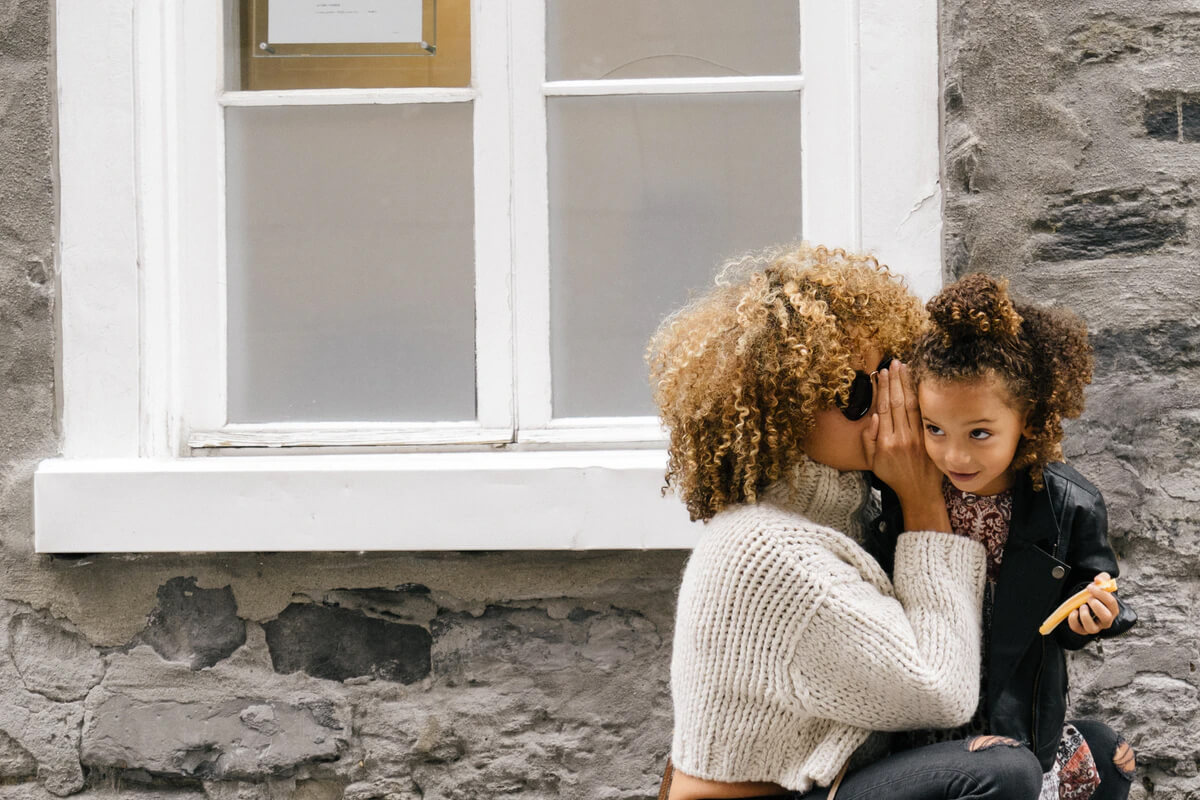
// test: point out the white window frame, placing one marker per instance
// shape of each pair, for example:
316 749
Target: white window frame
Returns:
142 326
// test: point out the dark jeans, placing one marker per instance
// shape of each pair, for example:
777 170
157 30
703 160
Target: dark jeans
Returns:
1113 756
994 771
946 771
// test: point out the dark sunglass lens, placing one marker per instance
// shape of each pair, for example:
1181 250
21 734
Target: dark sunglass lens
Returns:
859 401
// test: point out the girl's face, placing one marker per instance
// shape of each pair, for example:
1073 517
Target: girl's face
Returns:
971 432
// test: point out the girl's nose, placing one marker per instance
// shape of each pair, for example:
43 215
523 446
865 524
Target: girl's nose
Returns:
958 461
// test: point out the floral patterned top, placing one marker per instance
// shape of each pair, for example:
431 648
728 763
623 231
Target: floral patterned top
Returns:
983 518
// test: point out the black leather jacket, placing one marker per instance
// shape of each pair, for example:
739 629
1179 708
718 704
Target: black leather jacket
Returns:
1057 543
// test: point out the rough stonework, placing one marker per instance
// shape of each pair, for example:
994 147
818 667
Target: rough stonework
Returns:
1071 155
1072 159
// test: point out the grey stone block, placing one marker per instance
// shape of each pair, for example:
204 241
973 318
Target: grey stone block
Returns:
198 627
52 661
1096 224
337 643
49 732
15 760
235 739
1109 38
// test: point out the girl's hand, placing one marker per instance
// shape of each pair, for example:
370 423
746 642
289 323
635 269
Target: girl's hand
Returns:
895 446
1098 613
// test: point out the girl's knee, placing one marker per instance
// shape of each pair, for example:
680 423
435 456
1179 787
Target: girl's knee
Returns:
1124 759
977 743
1014 769
1107 743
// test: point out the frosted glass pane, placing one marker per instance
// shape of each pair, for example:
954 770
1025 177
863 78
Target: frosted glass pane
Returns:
593 39
647 195
351 276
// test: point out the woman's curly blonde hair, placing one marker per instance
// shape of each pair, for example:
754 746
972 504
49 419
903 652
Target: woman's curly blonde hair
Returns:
739 373
1041 355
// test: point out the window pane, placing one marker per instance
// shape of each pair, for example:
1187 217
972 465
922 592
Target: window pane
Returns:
647 195
350 249
593 39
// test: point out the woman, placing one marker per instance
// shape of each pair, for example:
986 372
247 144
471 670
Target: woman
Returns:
791 643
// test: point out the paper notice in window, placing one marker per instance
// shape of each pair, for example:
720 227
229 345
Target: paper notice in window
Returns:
343 21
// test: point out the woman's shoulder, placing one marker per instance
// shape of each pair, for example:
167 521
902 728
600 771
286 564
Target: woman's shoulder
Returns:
767 533
774 524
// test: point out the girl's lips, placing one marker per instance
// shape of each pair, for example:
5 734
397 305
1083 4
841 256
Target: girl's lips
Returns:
962 477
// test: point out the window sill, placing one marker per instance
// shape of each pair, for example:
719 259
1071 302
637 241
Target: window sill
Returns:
577 500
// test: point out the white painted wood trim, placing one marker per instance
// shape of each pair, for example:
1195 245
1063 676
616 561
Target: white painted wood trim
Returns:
766 83
97 238
531 214
475 501
157 28
493 218
901 197
348 97
829 115
597 430
200 267
348 434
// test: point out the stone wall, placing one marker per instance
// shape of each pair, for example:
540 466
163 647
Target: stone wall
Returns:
1072 163
1071 153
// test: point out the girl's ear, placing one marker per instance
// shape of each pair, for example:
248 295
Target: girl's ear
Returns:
1026 424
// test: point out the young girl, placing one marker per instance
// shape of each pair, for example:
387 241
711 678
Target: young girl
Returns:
995 379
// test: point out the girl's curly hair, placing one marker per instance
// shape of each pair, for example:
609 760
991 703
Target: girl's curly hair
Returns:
739 373
1041 355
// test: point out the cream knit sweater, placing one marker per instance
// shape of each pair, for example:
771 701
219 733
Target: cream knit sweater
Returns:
791 644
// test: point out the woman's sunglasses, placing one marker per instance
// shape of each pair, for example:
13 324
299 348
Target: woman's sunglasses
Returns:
862 392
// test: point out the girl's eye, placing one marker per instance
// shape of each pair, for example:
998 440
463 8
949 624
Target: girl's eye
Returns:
980 433
933 430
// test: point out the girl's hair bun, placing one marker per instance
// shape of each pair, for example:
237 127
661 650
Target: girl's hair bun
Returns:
977 306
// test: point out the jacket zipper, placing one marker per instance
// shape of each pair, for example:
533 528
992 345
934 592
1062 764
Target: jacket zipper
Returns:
1037 683
1037 679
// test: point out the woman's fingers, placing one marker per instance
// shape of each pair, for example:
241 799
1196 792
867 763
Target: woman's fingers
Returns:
870 437
898 400
912 407
883 389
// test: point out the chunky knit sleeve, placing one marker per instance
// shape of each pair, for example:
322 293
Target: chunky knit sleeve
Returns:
892 663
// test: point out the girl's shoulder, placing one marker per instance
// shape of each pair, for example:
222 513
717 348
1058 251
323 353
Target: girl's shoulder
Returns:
1067 489
1063 476
1070 502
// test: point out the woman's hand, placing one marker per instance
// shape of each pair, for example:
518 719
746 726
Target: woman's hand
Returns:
895 445
1098 613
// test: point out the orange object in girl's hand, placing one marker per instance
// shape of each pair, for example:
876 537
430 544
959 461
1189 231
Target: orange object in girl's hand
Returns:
1073 602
